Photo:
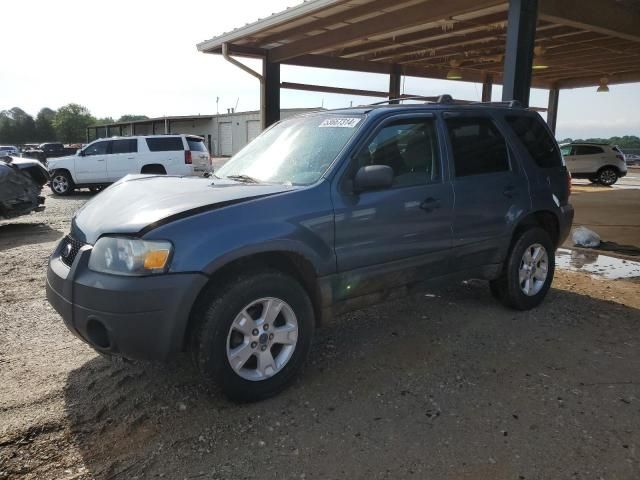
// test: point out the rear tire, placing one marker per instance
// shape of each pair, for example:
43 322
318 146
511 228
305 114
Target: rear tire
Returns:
607 176
528 271
62 183
262 323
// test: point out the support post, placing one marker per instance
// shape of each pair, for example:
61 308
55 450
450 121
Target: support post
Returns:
270 93
521 35
120 130
108 131
487 88
166 126
395 79
88 134
552 110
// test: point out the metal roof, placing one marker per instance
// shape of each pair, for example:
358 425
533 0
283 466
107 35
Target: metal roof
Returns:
580 40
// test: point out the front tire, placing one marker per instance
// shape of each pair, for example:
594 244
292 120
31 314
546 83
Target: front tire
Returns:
253 335
528 271
62 183
607 176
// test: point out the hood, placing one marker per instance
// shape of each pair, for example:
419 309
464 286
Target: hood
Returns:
53 160
138 203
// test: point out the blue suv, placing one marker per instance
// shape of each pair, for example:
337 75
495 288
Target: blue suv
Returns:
321 214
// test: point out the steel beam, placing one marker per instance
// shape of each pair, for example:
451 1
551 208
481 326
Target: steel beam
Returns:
270 93
487 87
521 35
395 79
552 109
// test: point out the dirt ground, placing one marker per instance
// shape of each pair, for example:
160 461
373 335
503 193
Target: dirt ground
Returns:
447 385
613 213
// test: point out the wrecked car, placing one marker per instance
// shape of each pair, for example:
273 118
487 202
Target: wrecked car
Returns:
21 182
320 214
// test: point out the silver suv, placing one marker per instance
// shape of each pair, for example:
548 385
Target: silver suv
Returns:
600 163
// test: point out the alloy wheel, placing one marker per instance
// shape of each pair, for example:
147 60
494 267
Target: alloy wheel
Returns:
262 339
533 271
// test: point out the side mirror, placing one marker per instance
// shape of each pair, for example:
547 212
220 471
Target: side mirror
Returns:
373 177
80 153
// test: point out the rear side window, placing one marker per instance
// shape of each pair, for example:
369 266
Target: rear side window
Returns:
165 144
588 150
478 146
196 144
565 150
124 146
536 139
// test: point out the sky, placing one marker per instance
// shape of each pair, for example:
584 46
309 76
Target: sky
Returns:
139 57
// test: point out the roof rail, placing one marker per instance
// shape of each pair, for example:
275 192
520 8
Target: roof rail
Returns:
509 103
444 98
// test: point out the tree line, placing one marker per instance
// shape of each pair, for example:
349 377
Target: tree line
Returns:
68 124
627 141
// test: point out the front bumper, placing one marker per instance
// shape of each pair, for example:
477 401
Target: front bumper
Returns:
134 317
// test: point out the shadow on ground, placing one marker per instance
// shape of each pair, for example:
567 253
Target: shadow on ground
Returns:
450 386
17 234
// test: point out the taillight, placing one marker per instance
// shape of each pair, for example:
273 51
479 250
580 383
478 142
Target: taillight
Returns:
620 157
187 157
569 182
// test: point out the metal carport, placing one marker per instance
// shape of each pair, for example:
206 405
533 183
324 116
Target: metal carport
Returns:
552 44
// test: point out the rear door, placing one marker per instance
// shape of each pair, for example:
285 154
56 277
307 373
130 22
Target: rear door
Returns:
587 158
91 166
122 159
490 190
200 158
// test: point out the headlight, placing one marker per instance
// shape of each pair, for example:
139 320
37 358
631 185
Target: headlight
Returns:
130 256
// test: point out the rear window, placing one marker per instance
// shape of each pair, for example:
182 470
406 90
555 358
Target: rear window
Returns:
165 144
536 139
124 146
196 144
478 146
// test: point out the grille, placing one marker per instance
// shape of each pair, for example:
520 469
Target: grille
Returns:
69 249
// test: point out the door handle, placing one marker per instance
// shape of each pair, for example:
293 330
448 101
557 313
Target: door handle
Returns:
430 204
101 159
510 191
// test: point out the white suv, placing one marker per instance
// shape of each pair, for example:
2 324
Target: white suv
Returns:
8 150
106 160
600 163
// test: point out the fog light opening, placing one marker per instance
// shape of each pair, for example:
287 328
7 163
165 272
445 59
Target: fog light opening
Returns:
98 334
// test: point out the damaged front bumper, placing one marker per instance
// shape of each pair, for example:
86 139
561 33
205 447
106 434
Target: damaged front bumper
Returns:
21 182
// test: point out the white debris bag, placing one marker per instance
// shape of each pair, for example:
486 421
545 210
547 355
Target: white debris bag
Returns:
583 237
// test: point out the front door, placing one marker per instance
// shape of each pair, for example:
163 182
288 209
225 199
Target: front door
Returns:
401 234
91 165
490 190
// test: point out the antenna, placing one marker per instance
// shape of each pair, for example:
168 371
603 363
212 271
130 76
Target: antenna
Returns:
237 101
217 105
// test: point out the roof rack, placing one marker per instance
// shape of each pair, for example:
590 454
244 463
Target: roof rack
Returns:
445 98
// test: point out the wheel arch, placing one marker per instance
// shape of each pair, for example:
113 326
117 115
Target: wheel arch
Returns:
545 219
153 168
291 263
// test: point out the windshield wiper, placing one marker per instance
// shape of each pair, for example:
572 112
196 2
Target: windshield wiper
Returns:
243 178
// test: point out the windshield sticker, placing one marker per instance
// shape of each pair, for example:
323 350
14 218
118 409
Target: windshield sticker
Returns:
340 122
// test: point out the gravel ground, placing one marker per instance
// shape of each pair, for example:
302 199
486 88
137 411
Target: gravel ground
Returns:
447 385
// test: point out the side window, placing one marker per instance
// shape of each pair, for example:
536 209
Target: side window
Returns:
537 140
565 150
478 146
588 150
409 147
129 145
98 148
165 144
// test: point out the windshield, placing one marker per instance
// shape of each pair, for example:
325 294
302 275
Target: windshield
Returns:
296 151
